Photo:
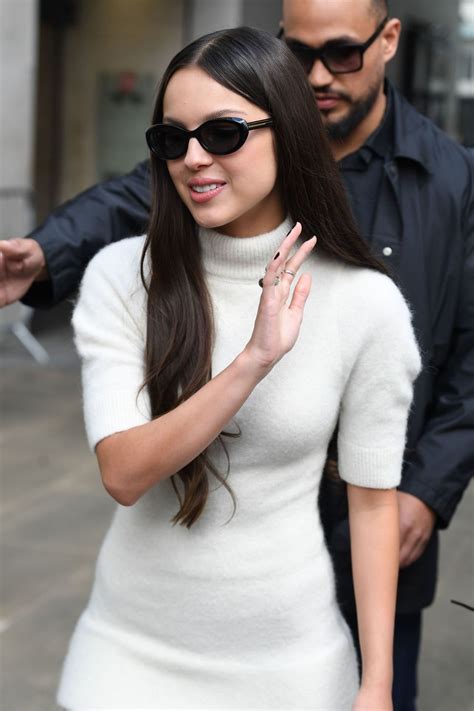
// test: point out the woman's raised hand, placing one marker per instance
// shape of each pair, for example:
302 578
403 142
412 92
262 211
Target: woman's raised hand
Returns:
278 322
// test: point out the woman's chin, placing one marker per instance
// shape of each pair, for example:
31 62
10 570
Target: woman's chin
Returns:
209 222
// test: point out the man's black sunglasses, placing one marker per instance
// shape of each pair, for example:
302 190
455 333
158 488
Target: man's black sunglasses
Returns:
338 57
219 136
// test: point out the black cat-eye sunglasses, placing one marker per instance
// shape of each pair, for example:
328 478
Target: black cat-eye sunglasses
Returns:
219 136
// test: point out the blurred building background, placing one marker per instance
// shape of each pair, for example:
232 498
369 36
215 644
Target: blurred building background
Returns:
81 75
77 79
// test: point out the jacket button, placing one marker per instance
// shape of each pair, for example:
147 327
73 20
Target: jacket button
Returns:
387 251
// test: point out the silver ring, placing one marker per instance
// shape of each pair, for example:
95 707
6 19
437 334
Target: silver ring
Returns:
276 281
288 271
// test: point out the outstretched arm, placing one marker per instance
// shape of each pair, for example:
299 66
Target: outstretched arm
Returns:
46 268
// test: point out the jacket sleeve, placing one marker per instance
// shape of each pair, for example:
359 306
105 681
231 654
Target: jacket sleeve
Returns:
77 230
442 463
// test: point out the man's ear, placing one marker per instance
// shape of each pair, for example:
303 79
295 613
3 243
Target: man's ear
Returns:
390 38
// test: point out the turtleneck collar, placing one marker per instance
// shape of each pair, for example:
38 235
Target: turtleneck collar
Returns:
240 258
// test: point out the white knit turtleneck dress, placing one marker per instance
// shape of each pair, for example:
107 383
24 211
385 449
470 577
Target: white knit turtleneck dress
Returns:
238 612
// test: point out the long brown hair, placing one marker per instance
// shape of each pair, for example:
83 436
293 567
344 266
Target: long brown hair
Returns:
180 329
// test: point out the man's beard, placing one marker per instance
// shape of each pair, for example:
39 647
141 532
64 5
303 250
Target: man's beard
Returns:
358 110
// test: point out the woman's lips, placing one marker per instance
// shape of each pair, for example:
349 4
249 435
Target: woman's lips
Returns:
201 197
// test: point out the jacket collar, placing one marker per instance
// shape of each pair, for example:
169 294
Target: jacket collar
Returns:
409 132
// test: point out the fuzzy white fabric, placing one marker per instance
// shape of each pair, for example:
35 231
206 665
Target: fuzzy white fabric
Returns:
239 613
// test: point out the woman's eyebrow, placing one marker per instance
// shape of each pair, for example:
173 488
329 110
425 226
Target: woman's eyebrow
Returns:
207 117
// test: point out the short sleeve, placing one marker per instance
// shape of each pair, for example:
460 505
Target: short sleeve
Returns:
109 323
382 362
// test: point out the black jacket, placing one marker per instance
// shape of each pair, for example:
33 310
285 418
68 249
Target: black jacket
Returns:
425 215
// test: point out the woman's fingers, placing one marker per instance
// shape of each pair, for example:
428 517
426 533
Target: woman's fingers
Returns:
281 269
300 294
290 268
273 269
277 324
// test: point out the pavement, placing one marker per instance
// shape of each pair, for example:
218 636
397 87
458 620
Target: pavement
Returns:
55 514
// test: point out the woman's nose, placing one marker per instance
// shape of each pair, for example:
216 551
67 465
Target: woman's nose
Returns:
196 155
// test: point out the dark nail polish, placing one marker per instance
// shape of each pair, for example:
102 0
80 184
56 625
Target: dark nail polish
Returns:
260 282
276 255
291 228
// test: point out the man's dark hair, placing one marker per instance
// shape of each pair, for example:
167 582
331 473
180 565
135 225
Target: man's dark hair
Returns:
379 8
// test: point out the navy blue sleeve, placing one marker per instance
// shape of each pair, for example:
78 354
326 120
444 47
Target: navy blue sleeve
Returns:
77 230
442 464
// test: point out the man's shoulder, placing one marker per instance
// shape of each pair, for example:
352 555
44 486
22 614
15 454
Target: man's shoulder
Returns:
445 148
419 135
452 166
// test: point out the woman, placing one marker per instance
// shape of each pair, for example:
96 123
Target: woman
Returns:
196 423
